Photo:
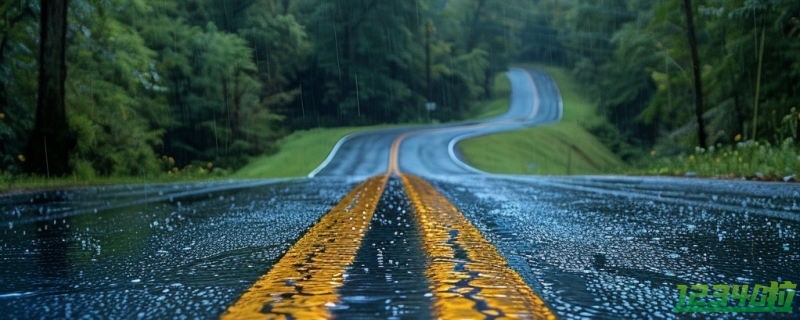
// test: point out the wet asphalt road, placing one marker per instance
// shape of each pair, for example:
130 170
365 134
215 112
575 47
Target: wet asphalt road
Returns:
591 247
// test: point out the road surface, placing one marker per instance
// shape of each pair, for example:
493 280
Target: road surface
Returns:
394 225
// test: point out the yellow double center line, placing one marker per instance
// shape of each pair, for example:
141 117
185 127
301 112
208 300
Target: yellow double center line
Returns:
302 285
469 279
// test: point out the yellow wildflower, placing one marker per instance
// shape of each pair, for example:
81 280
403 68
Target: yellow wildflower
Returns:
209 165
21 158
2 115
737 138
171 161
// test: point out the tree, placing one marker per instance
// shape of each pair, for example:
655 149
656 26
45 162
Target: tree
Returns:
115 94
49 144
697 81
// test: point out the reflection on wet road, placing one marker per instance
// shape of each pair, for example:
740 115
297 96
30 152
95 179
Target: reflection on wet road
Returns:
189 255
451 243
618 249
589 247
597 248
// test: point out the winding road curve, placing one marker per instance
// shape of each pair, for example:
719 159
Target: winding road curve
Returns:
395 225
430 150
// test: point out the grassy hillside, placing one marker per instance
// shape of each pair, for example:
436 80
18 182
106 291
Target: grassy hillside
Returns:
302 151
542 150
562 148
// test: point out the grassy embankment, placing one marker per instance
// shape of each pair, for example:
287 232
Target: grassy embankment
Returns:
302 151
299 153
12 183
561 148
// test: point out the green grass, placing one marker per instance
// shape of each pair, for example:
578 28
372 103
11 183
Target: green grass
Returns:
15 183
748 160
561 148
577 107
300 153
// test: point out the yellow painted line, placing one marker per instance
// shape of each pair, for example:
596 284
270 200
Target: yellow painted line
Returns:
394 166
302 284
469 278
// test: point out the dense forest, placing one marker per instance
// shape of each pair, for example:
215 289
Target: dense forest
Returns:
153 85
635 60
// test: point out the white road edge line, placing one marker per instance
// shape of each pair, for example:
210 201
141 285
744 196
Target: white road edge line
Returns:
451 146
332 154
454 141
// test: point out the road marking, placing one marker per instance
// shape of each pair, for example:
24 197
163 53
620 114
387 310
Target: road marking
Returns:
453 142
332 153
302 284
469 278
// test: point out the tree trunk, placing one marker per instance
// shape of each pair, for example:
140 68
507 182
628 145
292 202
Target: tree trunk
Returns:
698 85
49 144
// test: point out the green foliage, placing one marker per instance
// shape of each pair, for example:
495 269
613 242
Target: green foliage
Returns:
749 159
223 81
18 80
498 105
110 99
633 57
